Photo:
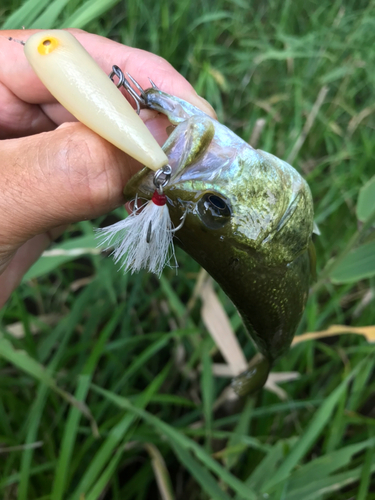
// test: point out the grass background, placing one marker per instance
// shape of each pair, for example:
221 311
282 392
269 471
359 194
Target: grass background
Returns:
106 386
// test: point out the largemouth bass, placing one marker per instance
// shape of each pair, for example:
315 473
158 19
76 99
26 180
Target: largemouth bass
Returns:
248 222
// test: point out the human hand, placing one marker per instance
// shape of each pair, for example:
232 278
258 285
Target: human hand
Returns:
54 170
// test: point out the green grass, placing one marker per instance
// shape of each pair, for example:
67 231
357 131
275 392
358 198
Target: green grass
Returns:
119 371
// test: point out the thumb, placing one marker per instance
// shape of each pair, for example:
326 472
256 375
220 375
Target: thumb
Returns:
56 178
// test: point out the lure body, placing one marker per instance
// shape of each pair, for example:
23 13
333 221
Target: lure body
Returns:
81 86
249 223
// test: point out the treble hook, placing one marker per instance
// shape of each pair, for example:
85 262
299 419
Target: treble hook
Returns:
123 82
181 223
141 98
149 229
153 85
135 205
116 71
149 232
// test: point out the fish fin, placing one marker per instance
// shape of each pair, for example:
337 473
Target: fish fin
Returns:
192 139
254 378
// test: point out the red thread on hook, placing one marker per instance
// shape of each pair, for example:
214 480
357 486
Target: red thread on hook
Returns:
159 199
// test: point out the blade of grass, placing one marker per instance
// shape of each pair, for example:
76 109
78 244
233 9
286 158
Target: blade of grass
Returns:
48 18
366 200
336 430
268 466
313 431
364 485
176 437
141 360
241 429
175 303
15 478
24 14
96 492
314 490
325 465
28 364
161 472
47 382
60 483
60 254
68 324
206 480
89 11
115 436
207 385
33 426
98 488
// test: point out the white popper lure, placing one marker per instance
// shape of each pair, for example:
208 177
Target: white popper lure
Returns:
81 86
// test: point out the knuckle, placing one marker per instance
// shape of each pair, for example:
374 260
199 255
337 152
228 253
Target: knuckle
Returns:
88 163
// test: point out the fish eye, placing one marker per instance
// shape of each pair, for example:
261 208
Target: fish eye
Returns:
214 210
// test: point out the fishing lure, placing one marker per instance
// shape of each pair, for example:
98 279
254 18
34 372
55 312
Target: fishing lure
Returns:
75 79
243 214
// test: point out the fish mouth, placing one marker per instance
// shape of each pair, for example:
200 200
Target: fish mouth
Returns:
193 172
186 186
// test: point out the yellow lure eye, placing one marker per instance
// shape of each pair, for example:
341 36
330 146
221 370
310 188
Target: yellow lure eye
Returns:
48 45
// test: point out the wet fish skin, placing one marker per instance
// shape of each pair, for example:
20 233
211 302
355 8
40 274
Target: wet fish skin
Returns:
249 223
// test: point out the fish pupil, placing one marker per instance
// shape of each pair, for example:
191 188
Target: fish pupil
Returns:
217 202
217 205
